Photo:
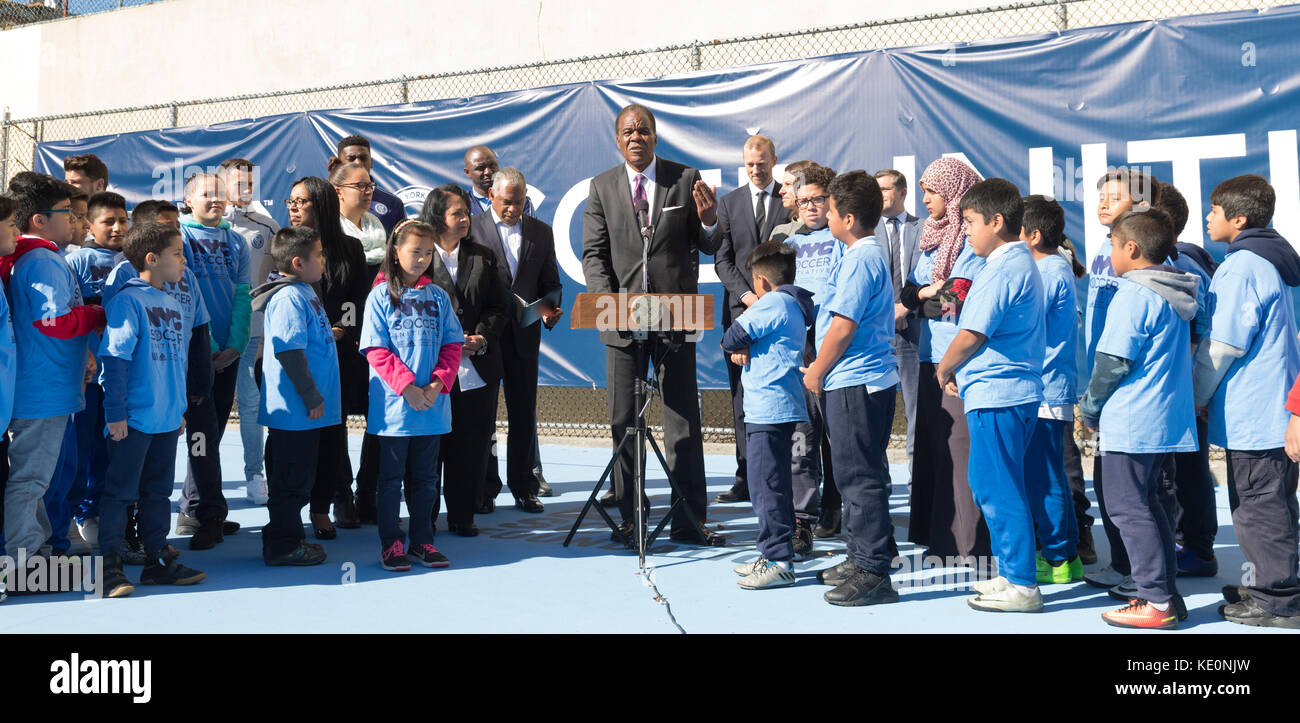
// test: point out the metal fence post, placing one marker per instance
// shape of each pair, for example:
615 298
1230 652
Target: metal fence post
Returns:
1062 18
695 56
4 149
175 114
404 90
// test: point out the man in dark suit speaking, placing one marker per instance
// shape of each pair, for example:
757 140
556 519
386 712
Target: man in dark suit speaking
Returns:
683 211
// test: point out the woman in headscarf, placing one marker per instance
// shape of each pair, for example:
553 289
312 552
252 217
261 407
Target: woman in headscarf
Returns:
944 517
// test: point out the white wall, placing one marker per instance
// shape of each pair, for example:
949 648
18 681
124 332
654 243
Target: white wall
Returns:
192 49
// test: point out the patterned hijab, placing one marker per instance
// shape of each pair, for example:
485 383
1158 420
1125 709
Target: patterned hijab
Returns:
950 178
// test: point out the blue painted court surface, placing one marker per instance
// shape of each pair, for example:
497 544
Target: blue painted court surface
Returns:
515 577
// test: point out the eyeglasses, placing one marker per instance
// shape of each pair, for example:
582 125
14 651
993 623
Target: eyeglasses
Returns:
292 203
362 187
49 211
812 201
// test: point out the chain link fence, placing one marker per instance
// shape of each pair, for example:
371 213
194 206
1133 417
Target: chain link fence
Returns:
571 411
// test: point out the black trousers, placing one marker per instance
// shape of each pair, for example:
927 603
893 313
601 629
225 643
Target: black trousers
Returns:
201 494
1262 494
683 440
1074 473
1165 494
806 461
520 383
859 424
290 476
1133 485
463 452
1198 520
333 469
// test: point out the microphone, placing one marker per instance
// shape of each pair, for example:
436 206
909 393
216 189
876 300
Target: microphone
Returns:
643 217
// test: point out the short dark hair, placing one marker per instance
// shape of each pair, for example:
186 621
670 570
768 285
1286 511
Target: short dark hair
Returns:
815 174
237 163
434 211
1171 201
640 110
1044 215
1150 229
147 238
78 195
857 194
994 196
87 163
775 260
351 141
900 181
1249 195
290 243
147 211
33 192
104 199
7 206
1142 186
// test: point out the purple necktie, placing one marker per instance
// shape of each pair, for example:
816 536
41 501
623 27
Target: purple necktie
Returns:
638 194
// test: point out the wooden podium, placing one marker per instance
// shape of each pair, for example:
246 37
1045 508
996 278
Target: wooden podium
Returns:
641 318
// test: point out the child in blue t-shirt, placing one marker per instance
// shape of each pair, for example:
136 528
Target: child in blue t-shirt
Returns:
144 356
767 342
300 390
8 349
1139 399
996 362
1042 229
1242 374
856 370
412 339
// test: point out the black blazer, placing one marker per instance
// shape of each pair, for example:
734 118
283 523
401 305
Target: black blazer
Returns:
536 274
344 305
611 238
736 241
479 299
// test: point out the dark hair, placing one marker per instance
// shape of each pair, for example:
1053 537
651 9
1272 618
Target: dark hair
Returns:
434 211
33 192
640 110
1250 196
814 174
7 206
1142 186
1079 269
104 199
325 217
352 141
290 243
87 163
900 181
856 193
339 170
1151 230
78 195
994 196
1171 201
147 238
774 260
237 163
389 267
147 211
1044 215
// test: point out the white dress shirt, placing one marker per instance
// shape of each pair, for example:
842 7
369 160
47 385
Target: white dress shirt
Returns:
468 376
650 187
511 238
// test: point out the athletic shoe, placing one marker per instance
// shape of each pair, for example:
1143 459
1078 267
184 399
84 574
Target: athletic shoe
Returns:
89 530
1008 599
394 558
113 580
769 575
76 542
186 525
1126 590
1062 572
1141 614
164 571
1087 551
835 576
132 553
1235 593
1248 612
257 491
208 536
862 588
1106 577
802 540
1190 565
302 555
746 568
990 586
828 523
428 556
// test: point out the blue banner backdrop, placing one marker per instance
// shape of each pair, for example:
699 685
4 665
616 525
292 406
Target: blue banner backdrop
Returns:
1196 99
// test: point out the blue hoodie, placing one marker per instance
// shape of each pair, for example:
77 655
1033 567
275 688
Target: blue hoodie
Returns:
774 330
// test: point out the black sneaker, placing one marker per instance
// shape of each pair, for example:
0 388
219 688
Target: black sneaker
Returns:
208 536
428 556
229 527
113 580
394 558
164 571
835 576
1085 549
862 588
803 539
302 555
1248 612
132 553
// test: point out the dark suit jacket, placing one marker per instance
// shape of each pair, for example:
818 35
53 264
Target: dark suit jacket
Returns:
736 238
536 274
611 238
479 299
910 235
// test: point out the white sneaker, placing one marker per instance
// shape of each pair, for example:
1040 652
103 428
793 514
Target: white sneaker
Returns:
258 493
770 575
1106 577
1125 590
988 587
1010 599
89 530
746 568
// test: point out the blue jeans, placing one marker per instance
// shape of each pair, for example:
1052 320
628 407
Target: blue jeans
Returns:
92 444
140 467
998 441
421 484
248 397
1048 491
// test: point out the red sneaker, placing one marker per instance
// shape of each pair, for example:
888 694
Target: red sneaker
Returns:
1142 614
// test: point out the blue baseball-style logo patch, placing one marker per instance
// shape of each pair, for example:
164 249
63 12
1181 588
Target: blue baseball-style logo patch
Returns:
380 208
258 241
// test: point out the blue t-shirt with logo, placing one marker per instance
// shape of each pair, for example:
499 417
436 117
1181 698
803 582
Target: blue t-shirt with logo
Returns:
1152 409
148 329
1061 311
185 292
8 364
296 319
49 381
219 258
1005 304
1252 311
91 265
1102 284
859 289
415 329
774 387
937 334
816 254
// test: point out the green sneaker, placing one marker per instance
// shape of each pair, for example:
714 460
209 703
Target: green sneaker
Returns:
1076 568
1063 572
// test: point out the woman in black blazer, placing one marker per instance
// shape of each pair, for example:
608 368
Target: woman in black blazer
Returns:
468 273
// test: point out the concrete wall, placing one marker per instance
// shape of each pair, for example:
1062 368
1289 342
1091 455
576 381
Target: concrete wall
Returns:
191 49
